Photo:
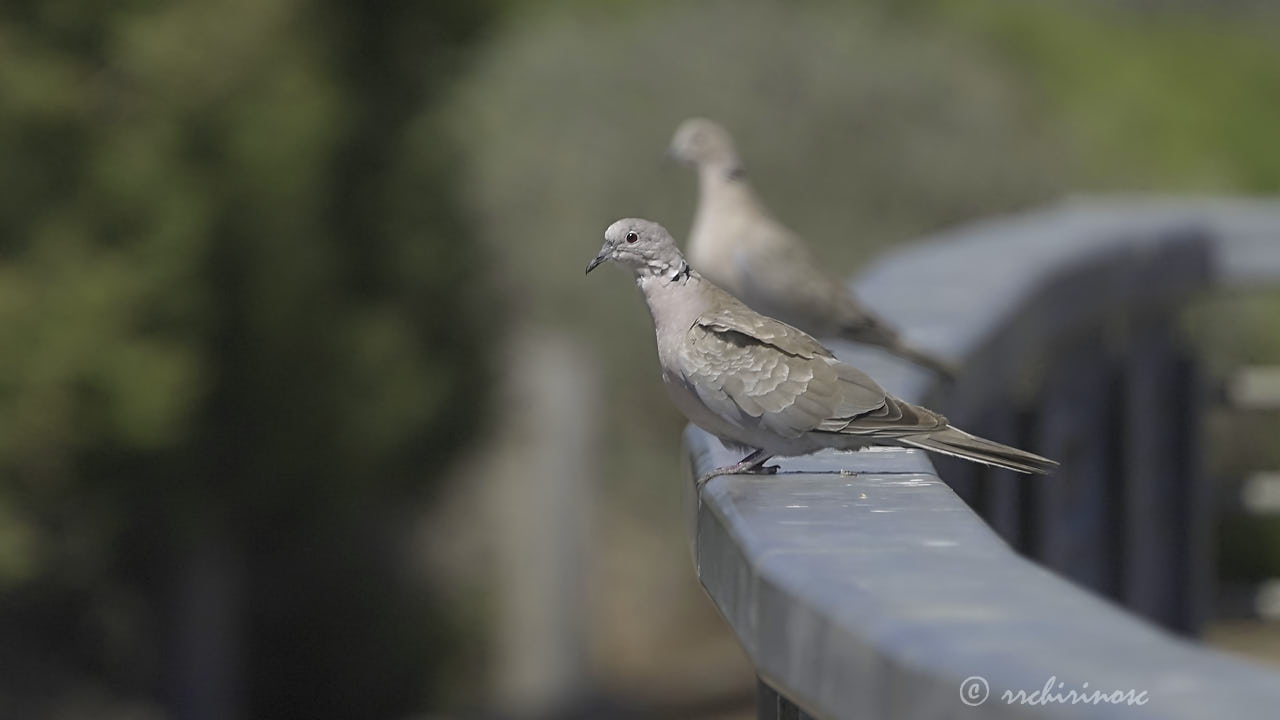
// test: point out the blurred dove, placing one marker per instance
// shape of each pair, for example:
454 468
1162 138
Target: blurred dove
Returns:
738 245
764 386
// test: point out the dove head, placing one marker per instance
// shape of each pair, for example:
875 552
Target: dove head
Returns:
703 143
643 247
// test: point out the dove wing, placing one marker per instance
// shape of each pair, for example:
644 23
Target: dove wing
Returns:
753 370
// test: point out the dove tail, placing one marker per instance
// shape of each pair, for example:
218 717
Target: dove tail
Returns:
958 443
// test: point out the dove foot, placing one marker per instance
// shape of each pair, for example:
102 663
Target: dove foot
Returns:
753 464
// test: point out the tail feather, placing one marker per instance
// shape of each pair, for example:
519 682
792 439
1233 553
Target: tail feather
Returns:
958 443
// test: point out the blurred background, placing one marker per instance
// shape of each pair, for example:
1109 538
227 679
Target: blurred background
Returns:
306 410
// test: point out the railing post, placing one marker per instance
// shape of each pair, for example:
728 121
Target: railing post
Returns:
1198 500
1074 512
1153 475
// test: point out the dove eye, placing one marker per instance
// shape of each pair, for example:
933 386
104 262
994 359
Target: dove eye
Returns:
632 237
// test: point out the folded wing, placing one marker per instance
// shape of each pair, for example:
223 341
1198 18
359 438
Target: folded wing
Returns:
753 370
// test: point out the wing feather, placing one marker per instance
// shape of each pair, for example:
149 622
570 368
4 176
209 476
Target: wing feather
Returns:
755 371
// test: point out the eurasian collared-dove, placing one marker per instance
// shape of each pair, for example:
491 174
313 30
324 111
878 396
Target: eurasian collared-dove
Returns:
739 246
764 386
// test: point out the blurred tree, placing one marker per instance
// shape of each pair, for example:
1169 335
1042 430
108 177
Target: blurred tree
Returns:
238 332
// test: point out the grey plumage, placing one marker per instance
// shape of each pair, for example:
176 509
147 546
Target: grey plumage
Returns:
763 385
737 244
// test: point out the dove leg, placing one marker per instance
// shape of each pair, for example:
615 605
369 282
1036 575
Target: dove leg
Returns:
751 464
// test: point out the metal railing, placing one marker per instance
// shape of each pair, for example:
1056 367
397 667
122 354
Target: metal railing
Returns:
889 593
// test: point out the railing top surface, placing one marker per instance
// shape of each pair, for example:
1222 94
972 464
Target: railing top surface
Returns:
986 296
1245 232
875 595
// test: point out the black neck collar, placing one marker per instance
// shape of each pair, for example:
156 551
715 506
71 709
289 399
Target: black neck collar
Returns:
682 272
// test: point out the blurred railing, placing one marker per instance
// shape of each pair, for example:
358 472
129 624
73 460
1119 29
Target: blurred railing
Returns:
901 591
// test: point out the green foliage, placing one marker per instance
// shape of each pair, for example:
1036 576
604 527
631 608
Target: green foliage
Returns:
1184 98
237 306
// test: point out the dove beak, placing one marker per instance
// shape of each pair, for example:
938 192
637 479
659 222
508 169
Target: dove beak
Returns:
595 263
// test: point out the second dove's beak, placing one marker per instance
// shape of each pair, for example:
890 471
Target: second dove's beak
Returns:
595 263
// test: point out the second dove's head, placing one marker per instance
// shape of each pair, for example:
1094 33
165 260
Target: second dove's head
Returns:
701 142
638 245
